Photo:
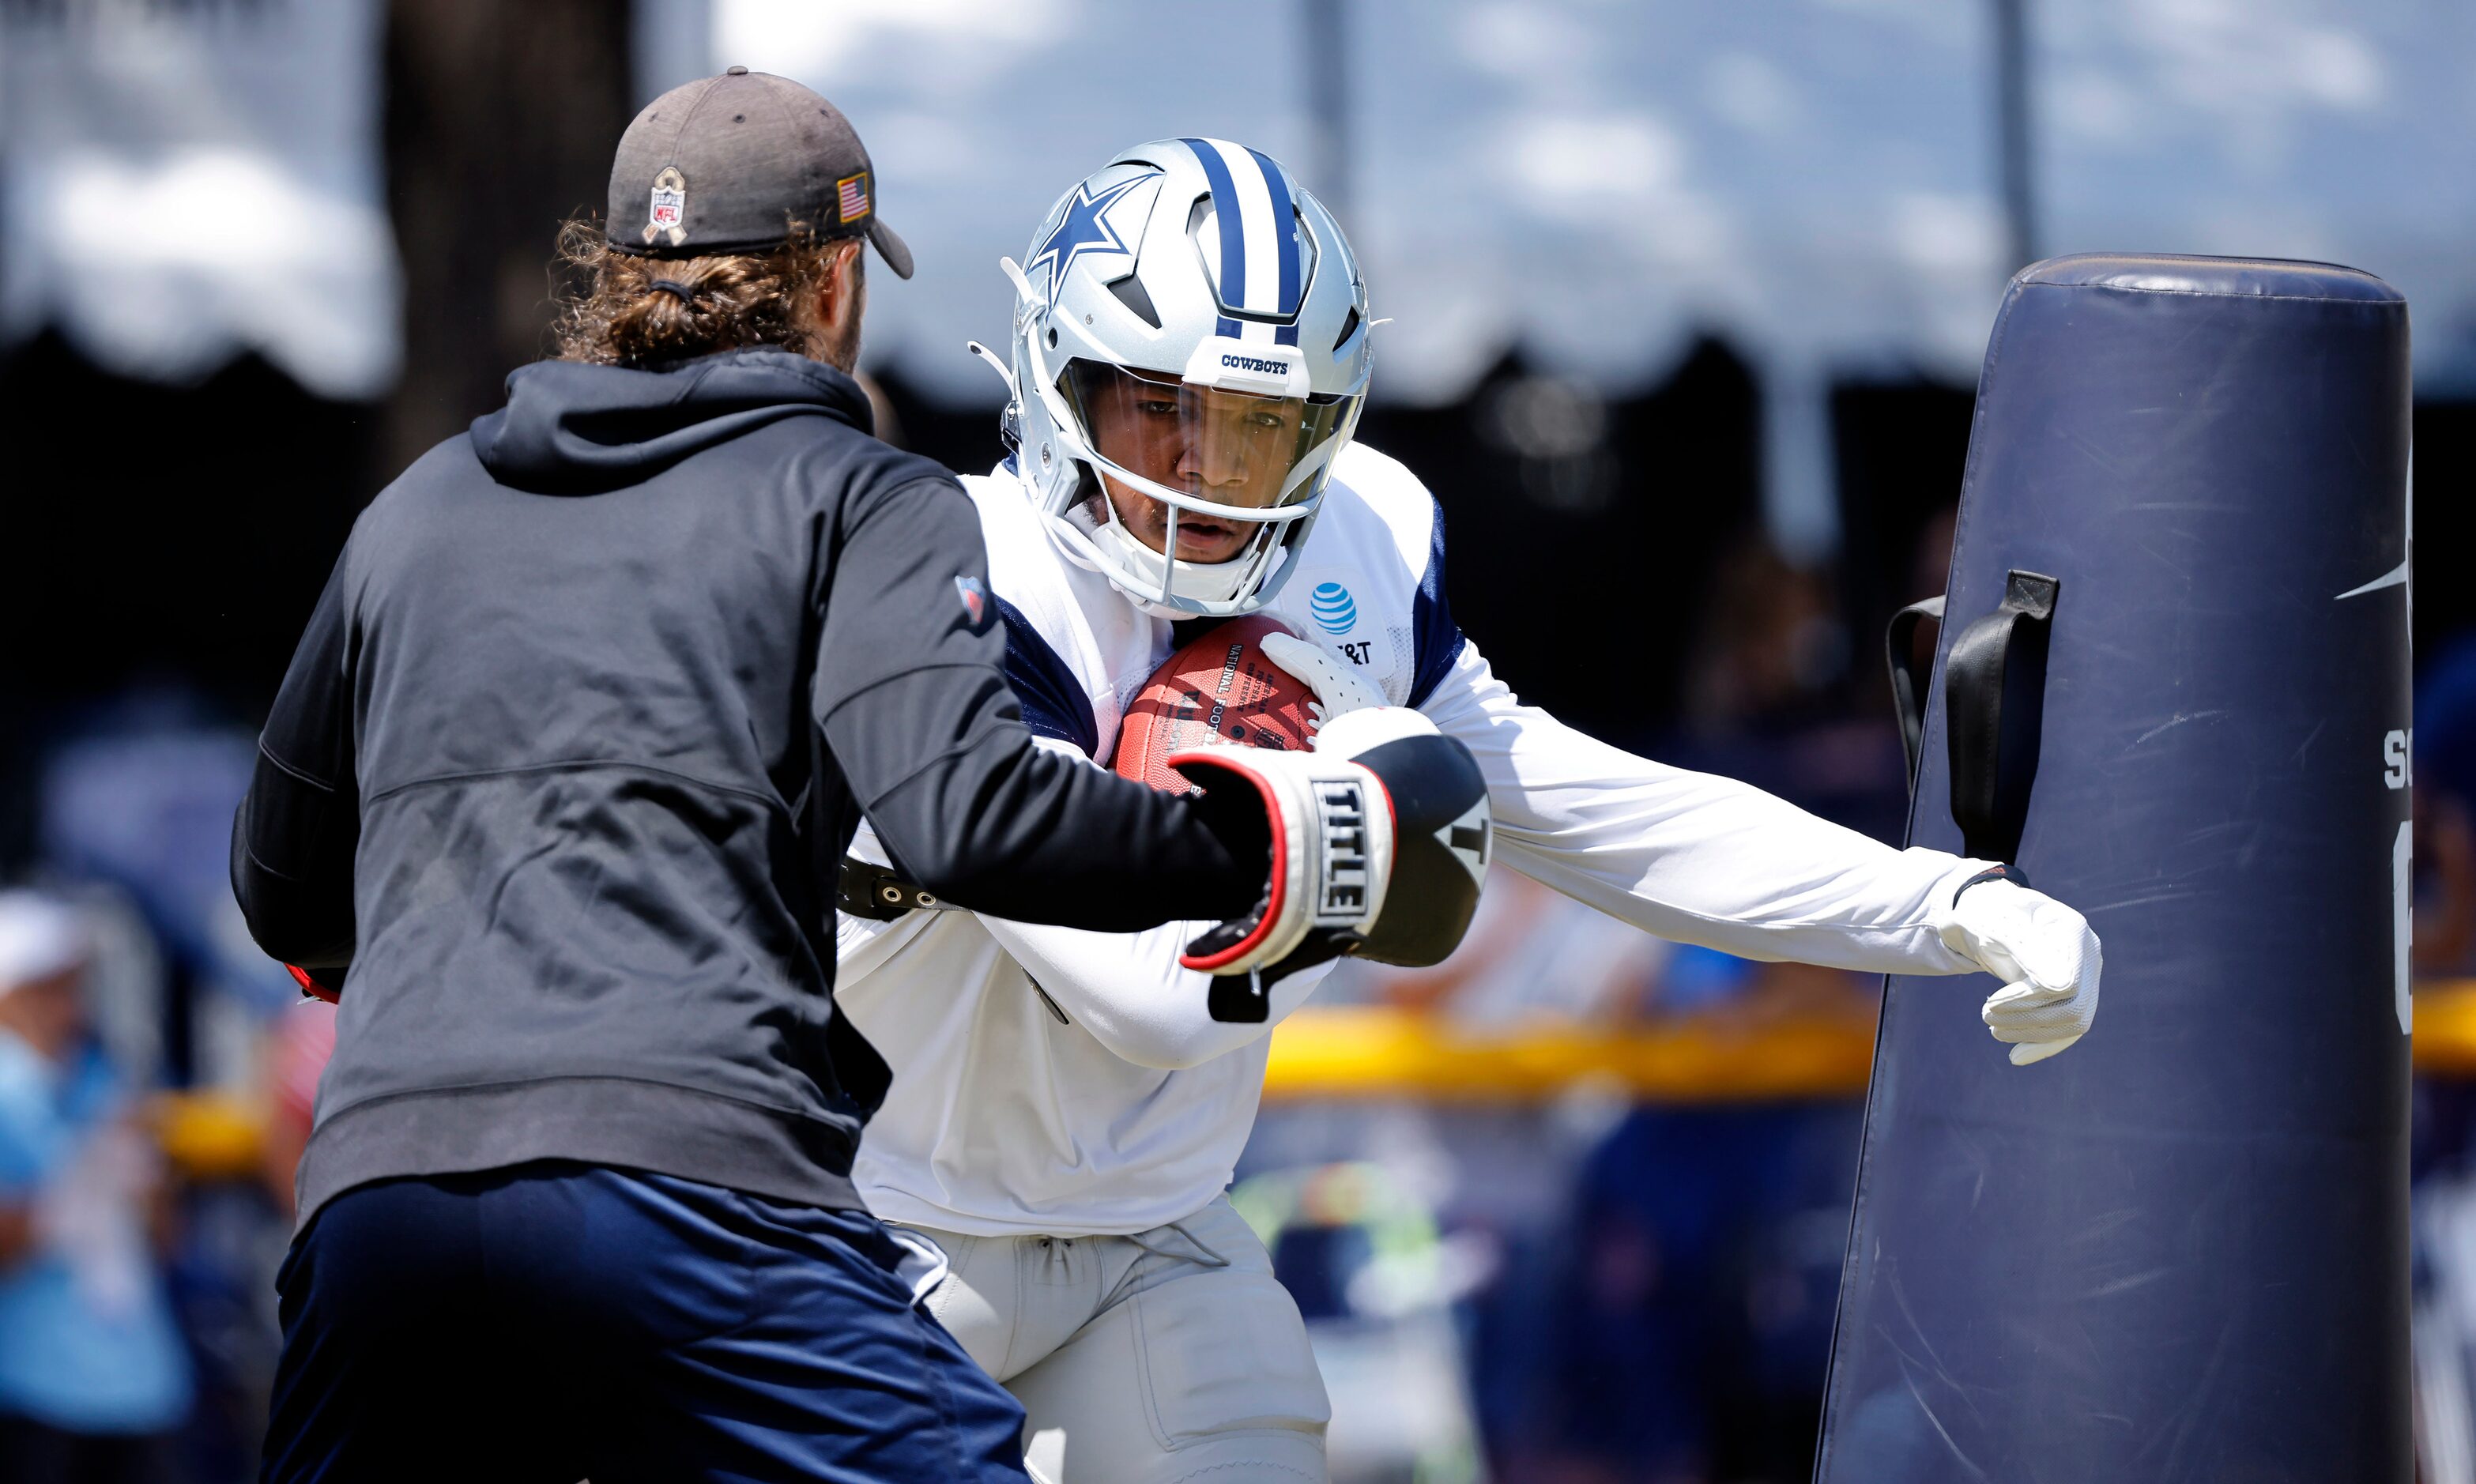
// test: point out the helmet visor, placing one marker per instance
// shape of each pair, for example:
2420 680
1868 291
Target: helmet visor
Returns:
1236 449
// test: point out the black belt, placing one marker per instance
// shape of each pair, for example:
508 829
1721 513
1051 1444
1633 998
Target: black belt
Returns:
875 891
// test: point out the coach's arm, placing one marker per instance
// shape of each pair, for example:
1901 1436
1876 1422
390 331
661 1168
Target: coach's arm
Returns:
295 833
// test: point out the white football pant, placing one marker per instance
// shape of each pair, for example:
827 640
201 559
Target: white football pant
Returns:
1168 1355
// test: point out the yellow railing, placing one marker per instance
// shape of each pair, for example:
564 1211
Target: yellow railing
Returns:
1374 1052
2445 1028
209 1135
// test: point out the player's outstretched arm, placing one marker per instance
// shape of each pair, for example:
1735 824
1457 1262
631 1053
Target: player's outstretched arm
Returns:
1709 861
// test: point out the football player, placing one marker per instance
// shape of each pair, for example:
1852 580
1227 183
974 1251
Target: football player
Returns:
1189 353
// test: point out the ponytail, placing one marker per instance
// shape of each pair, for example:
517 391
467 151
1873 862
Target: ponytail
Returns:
640 312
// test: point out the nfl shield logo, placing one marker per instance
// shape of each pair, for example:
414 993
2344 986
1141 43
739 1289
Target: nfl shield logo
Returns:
667 218
976 598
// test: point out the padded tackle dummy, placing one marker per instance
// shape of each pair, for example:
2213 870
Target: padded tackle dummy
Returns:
2171 683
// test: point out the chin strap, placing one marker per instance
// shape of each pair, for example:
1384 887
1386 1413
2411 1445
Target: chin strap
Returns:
1010 420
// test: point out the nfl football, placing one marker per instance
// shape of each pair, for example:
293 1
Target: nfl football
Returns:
1219 691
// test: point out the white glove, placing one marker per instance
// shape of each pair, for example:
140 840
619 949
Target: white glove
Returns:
2042 951
1339 687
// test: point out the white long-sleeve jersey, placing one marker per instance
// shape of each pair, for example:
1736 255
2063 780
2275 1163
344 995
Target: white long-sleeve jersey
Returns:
1054 1081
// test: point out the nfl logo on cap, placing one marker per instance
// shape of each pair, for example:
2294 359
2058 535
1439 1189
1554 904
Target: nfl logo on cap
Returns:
773 162
667 219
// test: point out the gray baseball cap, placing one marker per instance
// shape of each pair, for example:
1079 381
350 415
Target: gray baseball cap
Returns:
726 165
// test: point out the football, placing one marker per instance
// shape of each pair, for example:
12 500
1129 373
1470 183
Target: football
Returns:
1219 691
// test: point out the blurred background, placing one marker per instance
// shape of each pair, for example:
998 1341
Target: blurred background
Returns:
1686 306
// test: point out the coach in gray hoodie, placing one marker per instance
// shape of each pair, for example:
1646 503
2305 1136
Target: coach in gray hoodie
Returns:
561 773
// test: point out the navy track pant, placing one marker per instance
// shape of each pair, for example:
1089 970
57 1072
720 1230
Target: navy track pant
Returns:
553 1322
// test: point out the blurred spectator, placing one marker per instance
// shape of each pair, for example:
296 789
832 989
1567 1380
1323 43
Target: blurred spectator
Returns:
93 1374
134 823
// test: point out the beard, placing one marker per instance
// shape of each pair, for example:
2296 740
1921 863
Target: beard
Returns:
841 348
841 351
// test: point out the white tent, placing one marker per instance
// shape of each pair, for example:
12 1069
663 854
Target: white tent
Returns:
1592 181
1599 183
180 184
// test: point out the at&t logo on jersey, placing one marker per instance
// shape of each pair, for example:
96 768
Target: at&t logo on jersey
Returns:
1335 611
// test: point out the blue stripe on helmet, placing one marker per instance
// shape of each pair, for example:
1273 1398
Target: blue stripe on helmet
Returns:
1285 233
1233 236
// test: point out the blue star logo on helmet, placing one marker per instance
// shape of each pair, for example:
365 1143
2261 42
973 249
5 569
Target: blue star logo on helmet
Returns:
1083 229
1335 610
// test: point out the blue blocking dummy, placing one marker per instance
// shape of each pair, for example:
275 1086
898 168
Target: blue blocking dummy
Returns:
2171 683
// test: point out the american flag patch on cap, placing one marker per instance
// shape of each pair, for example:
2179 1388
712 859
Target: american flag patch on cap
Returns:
852 196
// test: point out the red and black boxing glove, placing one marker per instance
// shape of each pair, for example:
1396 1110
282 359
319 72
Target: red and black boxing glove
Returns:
1380 839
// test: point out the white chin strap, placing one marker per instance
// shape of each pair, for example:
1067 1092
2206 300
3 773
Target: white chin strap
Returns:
1109 548
1175 587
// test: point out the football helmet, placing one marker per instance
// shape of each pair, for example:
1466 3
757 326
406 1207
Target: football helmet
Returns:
1190 327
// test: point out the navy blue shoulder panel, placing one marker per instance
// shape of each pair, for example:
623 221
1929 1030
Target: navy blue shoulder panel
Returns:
1436 638
1053 701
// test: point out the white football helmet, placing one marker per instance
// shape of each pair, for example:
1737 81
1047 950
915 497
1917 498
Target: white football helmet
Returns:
1191 327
